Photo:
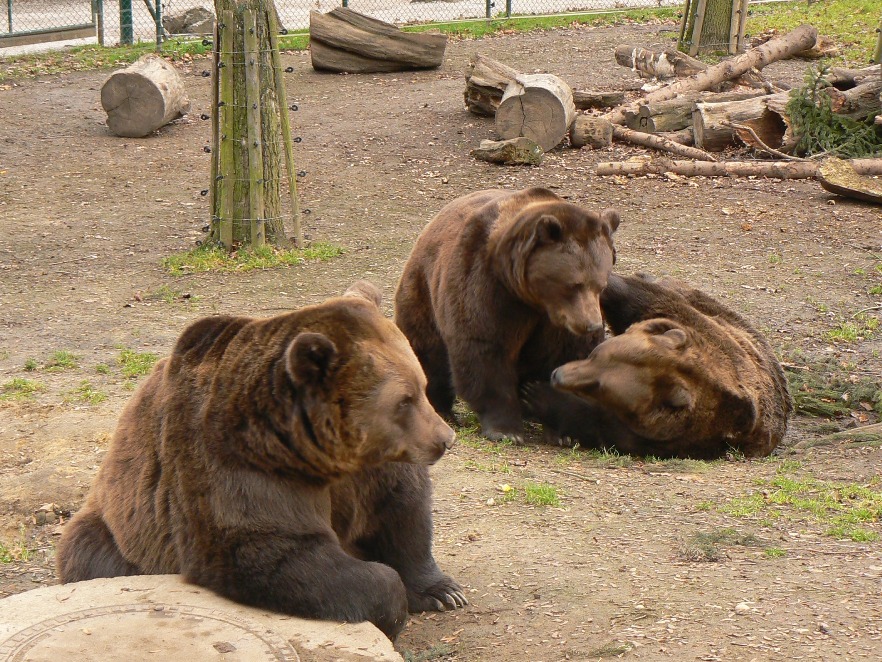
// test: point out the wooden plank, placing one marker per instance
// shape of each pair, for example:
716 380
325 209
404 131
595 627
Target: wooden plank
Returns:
227 170
215 133
696 30
742 18
255 141
282 99
734 23
83 31
684 24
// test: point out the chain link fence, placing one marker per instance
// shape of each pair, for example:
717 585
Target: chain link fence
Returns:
112 22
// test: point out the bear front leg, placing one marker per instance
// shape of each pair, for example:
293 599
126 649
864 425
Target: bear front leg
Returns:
307 575
385 514
487 380
87 550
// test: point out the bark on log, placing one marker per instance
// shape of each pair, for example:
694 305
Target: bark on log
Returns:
843 79
586 100
537 106
676 114
657 142
669 63
859 102
143 97
486 81
766 115
517 151
345 41
774 49
592 132
683 136
776 169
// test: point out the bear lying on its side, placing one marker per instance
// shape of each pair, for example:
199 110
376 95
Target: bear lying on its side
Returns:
502 287
266 460
684 377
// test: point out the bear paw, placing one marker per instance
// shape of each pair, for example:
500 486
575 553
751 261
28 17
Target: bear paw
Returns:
498 435
443 595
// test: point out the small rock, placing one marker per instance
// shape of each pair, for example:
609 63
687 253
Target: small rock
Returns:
742 608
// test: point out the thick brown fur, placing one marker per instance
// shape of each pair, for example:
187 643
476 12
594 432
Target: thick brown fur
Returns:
280 462
500 288
684 377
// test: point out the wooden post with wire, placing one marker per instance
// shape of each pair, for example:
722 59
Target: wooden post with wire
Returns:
250 130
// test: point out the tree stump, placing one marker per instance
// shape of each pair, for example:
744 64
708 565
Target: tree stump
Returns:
537 106
345 41
143 97
592 132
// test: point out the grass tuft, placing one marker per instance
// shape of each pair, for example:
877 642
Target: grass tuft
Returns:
217 258
19 388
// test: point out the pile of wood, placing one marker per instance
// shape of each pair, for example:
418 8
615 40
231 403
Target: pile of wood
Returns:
702 111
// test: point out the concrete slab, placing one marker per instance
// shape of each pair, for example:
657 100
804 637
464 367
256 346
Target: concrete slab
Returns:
160 617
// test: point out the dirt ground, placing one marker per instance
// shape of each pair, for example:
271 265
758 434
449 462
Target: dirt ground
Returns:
622 566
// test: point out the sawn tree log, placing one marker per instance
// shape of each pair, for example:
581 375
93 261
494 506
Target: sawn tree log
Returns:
777 169
537 106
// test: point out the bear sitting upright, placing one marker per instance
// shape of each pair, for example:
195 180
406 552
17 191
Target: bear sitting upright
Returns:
684 377
280 462
502 287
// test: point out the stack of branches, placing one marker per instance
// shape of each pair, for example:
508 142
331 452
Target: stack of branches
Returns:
702 111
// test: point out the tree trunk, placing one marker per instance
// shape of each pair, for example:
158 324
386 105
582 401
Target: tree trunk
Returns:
592 132
766 115
537 106
658 142
143 97
777 169
669 63
859 102
585 100
486 81
676 114
247 149
345 41
774 49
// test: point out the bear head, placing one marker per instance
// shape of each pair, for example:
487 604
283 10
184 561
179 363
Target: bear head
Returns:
655 379
557 257
325 391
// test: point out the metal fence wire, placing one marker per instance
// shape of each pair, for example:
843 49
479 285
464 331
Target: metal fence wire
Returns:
112 22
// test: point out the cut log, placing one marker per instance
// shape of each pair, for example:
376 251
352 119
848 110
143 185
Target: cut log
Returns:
683 136
143 97
839 177
345 41
591 132
774 49
843 79
775 169
669 63
537 106
515 151
657 142
676 114
859 102
486 81
585 100
766 115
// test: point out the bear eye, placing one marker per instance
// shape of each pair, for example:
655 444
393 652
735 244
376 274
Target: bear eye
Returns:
405 402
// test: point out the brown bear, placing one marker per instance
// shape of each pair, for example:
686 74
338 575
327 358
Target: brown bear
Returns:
280 462
684 376
502 287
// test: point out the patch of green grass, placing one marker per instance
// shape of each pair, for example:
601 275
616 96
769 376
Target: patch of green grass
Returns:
102 369
860 327
609 457
541 494
828 389
135 364
491 467
774 552
774 258
19 388
16 550
61 360
217 258
849 22
30 365
86 394
675 465
843 507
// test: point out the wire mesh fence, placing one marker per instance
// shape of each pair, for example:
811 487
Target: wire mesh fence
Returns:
112 22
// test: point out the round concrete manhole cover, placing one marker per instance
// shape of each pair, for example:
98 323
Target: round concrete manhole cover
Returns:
143 632
160 618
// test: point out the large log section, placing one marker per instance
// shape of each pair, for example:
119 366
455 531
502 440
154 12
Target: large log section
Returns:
537 106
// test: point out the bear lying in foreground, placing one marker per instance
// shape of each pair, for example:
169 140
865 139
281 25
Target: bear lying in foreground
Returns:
684 376
266 459
501 288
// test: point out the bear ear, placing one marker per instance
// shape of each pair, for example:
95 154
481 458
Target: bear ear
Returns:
548 229
365 289
667 333
611 218
311 358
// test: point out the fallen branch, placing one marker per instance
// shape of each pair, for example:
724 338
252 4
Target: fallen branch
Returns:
776 169
757 142
775 49
657 142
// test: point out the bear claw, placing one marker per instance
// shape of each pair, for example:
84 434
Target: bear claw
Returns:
444 595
